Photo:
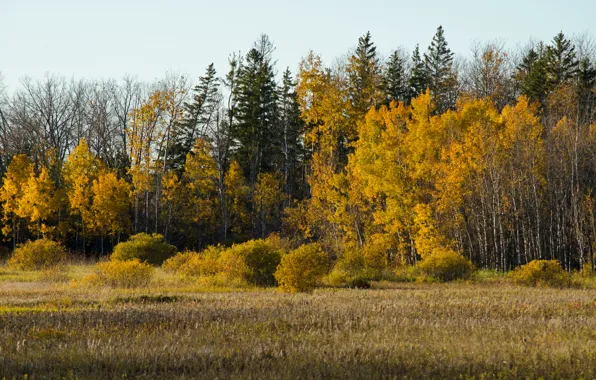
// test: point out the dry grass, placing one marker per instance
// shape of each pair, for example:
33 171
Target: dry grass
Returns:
179 329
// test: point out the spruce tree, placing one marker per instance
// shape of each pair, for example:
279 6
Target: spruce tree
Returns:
531 75
561 61
394 79
442 80
363 75
418 82
198 114
257 133
586 90
292 127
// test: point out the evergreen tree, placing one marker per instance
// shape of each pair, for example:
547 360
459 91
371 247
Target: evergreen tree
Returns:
561 62
394 79
292 128
257 133
198 114
363 76
531 75
442 80
418 82
586 82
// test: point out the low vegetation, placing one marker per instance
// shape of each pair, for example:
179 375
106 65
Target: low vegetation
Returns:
541 273
41 254
171 330
446 265
121 274
302 269
149 248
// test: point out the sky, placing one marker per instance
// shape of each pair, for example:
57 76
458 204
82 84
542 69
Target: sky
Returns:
112 38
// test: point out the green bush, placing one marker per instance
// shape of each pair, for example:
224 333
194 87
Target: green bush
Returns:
122 274
259 261
541 273
151 249
301 269
446 265
38 255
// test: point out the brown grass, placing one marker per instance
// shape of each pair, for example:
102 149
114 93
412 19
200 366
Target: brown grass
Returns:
178 330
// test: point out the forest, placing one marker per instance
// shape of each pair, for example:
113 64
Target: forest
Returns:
491 156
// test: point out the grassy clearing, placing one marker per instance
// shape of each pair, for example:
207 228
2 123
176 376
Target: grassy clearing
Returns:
173 329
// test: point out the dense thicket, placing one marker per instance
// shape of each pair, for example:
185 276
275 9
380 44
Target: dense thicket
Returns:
492 156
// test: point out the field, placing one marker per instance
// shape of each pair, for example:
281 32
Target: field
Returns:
177 329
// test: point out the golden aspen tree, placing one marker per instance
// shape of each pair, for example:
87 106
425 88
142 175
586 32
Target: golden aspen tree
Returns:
79 172
110 206
149 141
268 198
201 175
379 179
237 193
19 170
38 203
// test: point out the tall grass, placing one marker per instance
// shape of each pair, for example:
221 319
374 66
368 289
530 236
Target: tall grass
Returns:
487 330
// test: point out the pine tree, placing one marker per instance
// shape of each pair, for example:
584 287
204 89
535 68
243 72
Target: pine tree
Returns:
198 114
586 88
531 75
442 80
561 62
363 76
394 79
418 81
257 132
292 129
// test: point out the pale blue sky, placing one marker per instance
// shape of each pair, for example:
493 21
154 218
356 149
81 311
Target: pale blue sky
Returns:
110 38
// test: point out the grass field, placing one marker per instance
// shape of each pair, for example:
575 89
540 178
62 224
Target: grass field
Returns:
177 329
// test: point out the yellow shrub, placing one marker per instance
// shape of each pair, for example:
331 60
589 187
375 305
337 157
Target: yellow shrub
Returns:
541 273
147 248
358 266
38 255
301 269
260 258
202 264
174 263
123 274
446 265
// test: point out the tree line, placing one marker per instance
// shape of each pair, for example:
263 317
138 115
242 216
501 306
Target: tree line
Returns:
491 156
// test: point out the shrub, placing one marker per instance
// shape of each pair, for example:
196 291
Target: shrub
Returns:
38 255
122 274
541 273
174 263
446 265
302 268
202 264
357 267
147 248
260 260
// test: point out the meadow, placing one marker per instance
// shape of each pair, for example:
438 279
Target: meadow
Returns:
483 328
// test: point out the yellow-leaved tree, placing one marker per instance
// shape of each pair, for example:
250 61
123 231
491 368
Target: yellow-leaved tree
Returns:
14 182
200 175
79 172
268 199
39 202
236 197
110 206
